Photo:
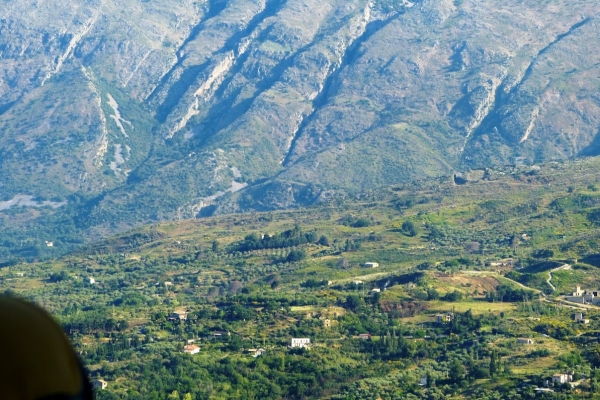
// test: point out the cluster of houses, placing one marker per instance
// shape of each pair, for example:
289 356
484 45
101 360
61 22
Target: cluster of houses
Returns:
584 297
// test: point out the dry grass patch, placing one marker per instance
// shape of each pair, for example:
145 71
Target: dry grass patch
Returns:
476 307
466 283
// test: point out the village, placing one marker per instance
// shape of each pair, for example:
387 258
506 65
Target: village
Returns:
193 347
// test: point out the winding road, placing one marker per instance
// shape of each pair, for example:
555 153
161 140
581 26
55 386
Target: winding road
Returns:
549 281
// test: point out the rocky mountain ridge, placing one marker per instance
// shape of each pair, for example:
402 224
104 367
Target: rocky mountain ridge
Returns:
156 110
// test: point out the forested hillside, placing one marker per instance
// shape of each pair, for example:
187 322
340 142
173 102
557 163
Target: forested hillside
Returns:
432 291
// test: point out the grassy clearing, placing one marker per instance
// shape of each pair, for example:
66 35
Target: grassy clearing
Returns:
476 307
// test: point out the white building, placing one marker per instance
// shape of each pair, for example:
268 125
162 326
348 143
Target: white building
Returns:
301 343
562 378
191 349
371 265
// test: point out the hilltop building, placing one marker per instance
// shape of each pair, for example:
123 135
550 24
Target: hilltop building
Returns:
371 265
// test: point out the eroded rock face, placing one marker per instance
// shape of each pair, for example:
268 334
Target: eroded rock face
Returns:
157 109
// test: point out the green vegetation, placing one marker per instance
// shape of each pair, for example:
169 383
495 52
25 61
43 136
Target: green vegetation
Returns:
455 289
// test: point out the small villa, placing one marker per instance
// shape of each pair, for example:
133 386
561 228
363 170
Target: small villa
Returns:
191 349
562 378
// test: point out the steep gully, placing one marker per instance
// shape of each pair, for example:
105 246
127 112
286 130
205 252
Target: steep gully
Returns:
324 96
263 85
215 7
233 48
73 43
225 112
490 120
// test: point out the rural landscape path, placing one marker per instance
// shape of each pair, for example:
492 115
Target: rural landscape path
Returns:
549 281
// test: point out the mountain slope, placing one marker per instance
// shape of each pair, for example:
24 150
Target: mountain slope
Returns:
158 110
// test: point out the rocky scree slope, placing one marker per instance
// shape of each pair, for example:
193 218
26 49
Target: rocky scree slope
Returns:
154 110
